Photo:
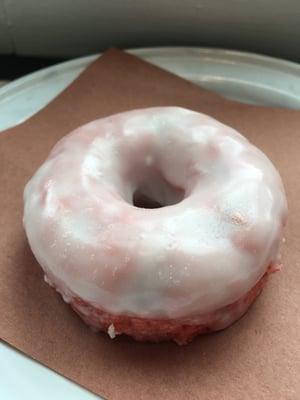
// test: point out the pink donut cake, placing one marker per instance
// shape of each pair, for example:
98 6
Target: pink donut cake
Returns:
159 223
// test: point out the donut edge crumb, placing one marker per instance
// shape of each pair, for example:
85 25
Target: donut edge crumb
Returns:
111 331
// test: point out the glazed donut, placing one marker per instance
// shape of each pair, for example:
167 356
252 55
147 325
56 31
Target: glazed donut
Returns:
160 223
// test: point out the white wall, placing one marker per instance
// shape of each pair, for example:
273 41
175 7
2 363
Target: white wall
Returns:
76 27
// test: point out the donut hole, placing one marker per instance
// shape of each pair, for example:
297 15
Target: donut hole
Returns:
156 192
141 200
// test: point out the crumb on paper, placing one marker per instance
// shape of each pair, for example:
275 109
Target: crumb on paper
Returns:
111 331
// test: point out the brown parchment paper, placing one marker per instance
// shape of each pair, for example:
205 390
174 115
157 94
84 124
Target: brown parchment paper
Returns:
257 358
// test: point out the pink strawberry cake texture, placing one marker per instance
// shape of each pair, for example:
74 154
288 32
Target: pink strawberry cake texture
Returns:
159 223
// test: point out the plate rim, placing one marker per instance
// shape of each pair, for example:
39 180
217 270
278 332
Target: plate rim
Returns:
234 55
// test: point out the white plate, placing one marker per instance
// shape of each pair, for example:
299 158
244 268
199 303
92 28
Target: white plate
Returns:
241 76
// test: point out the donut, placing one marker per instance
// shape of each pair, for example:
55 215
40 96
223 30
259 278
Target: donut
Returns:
160 223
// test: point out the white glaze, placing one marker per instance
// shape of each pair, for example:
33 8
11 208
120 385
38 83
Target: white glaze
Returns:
185 259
